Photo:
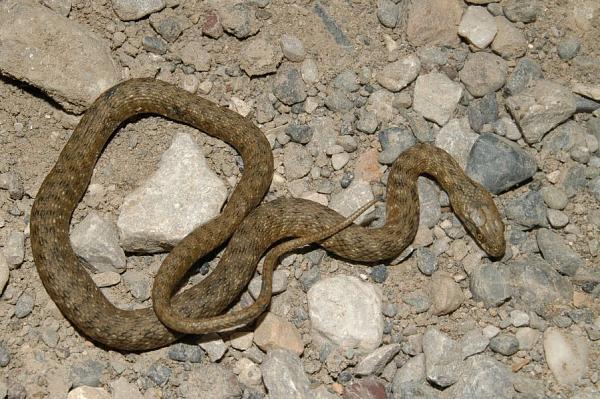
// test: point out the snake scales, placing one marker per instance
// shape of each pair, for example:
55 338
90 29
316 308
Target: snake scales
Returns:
252 229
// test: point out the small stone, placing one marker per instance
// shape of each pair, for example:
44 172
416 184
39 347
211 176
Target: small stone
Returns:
169 27
483 377
433 22
554 197
121 388
510 42
504 344
528 210
387 13
4 356
360 325
292 48
309 71
154 45
482 111
24 306
568 48
338 100
365 388
194 53
521 11
289 87
338 161
241 340
426 261
106 279
138 284
211 25
564 259
353 197
238 19
436 97
299 133
297 161
248 372
399 74
96 240
86 392
446 295
527 338
284 376
374 363
14 248
158 373
183 352
457 139
499 164
557 219
473 342
214 346
129 10
13 183
442 358
87 372
490 284
62 7
276 332
4 273
540 108
478 26
483 73
566 355
367 122
260 57
519 318
394 141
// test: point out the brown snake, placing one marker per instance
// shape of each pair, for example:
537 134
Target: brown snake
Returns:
81 301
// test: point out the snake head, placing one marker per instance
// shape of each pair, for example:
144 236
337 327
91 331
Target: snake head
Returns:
482 220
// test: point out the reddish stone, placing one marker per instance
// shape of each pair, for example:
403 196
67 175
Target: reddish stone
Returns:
211 26
366 388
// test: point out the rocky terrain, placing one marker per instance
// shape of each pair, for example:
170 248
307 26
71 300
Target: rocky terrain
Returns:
510 88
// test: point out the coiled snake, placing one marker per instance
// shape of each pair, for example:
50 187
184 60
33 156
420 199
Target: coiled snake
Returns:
253 229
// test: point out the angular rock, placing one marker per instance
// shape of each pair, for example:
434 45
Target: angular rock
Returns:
505 344
490 284
473 342
499 164
526 71
387 13
181 195
433 22
566 355
446 295
540 108
194 53
457 139
297 161
54 54
483 378
399 74
377 360
436 97
238 19
289 87
510 42
130 10
483 73
521 11
214 346
443 358
478 26
284 377
394 141
482 111
561 256
276 332
88 393
359 325
365 388
260 57
96 240
14 248
528 210
350 199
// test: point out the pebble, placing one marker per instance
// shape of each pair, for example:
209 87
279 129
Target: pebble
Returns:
525 72
248 372
365 388
14 248
446 295
86 373
260 57
123 389
557 253
566 355
194 53
183 352
181 195
289 87
399 74
129 10
309 70
301 134
238 19
478 26
353 197
540 108
338 100
138 284
504 344
490 284
211 25
81 66
297 161
12 182
154 45
284 376
95 239
159 373
387 13
443 358
241 340
499 164
4 356
374 363
483 73
521 11
86 392
380 103
482 377
482 111
214 346
210 381
519 318
568 48
510 42
527 338
338 161
367 122
554 197
292 48
528 210
275 332
168 26
436 97
24 306
280 281
394 141
457 139
360 325
473 342
433 22
426 261
4 273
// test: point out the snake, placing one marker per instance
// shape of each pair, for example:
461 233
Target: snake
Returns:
249 227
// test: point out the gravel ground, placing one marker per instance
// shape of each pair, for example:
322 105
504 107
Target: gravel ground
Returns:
340 88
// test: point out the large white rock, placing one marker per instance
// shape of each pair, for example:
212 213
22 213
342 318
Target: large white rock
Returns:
57 55
180 196
566 356
347 311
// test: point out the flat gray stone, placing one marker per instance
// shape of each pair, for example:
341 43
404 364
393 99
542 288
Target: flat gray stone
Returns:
96 240
483 73
566 355
433 22
556 252
14 248
526 71
528 210
130 10
436 97
180 196
457 139
445 293
490 284
297 161
443 358
540 108
499 164
60 57
483 378
374 362
284 376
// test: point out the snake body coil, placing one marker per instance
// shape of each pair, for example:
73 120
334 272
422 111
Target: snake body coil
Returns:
81 301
